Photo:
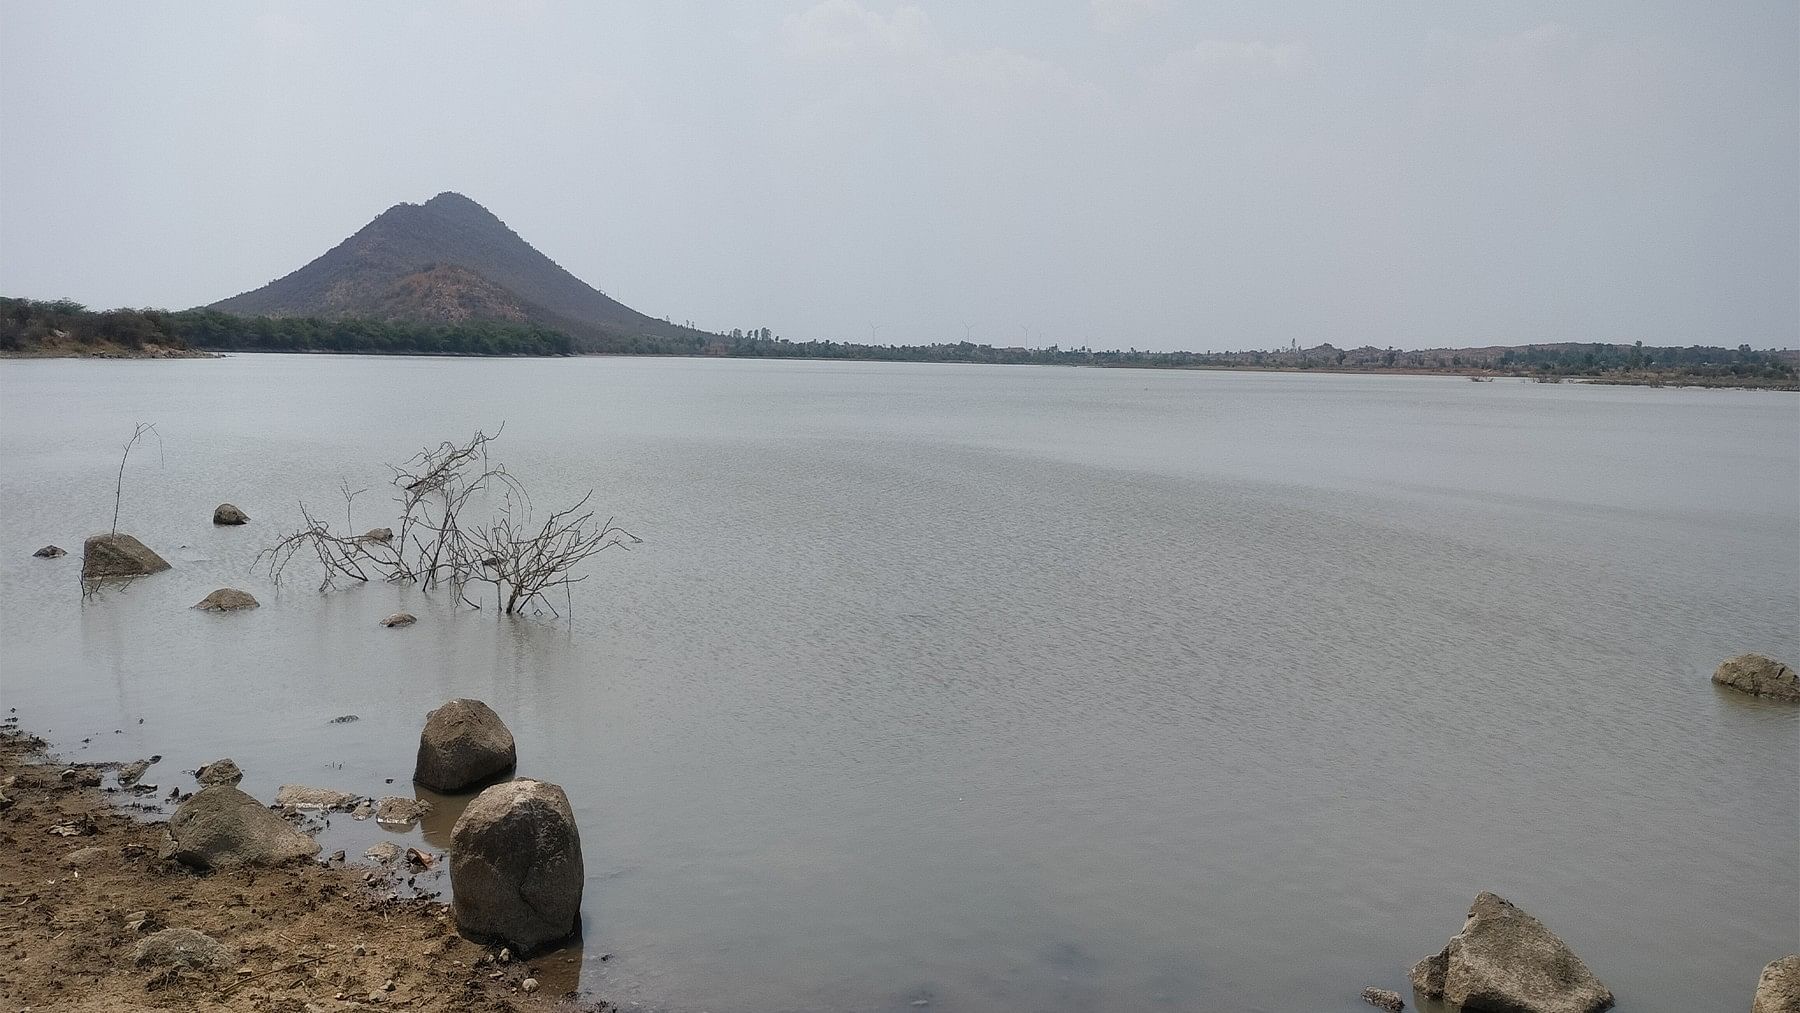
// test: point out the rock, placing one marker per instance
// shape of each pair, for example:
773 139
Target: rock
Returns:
515 866
1505 961
1384 999
1759 676
82 858
180 948
376 535
219 772
131 772
300 796
87 777
104 556
1778 990
385 852
362 811
344 719
405 811
400 619
225 513
50 552
221 827
529 985
227 599
463 744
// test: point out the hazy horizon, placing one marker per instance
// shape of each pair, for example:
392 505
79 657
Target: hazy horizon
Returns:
1115 173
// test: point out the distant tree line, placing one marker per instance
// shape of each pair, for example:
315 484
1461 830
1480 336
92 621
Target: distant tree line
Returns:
26 324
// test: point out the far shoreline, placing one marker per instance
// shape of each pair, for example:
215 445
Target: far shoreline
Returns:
1677 380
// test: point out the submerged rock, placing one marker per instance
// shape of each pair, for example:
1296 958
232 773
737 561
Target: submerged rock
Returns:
1382 998
406 811
385 852
400 619
132 772
515 866
1505 961
300 796
1759 676
463 744
219 772
225 513
50 552
180 948
221 827
104 556
1778 990
227 599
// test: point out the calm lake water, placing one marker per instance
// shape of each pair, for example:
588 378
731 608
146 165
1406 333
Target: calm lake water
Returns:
995 688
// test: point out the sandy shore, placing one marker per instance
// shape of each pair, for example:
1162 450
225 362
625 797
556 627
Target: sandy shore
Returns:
81 889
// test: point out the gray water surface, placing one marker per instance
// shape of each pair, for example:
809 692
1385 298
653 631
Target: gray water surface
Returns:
997 688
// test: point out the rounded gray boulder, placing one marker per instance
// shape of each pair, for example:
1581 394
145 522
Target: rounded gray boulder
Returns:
221 827
515 866
225 513
464 743
227 599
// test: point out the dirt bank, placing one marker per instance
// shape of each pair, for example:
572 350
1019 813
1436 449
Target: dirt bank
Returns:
81 887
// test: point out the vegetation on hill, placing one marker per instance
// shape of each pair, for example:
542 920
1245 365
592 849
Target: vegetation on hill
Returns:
33 327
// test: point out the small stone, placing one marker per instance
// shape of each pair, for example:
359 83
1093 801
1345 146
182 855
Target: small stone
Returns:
362 811
359 950
384 852
130 773
505 955
300 796
50 552
227 599
344 719
400 619
337 857
402 811
179 947
529 984
388 985
1384 999
219 772
225 513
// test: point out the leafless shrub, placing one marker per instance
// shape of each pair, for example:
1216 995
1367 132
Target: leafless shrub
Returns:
434 545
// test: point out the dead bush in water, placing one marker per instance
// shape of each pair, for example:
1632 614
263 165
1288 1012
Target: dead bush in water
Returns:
435 544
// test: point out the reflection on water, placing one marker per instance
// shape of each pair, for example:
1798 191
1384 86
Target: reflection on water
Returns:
994 689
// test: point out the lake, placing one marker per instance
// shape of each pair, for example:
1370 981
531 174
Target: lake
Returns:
993 688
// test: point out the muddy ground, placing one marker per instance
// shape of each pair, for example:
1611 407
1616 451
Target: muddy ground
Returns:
81 887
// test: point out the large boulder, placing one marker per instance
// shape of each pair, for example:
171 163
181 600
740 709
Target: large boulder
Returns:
1778 990
1760 676
220 827
227 599
225 513
1505 961
117 555
515 866
463 744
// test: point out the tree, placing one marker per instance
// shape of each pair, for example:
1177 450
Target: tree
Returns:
436 545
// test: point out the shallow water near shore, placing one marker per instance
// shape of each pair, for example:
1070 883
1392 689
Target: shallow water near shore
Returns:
993 688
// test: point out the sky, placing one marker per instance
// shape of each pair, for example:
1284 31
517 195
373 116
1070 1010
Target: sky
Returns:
1113 173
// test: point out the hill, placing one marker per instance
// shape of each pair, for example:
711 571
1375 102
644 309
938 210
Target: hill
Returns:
450 261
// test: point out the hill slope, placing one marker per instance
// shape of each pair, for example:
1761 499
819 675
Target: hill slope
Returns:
446 261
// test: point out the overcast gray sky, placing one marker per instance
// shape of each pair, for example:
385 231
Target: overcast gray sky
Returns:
1149 173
